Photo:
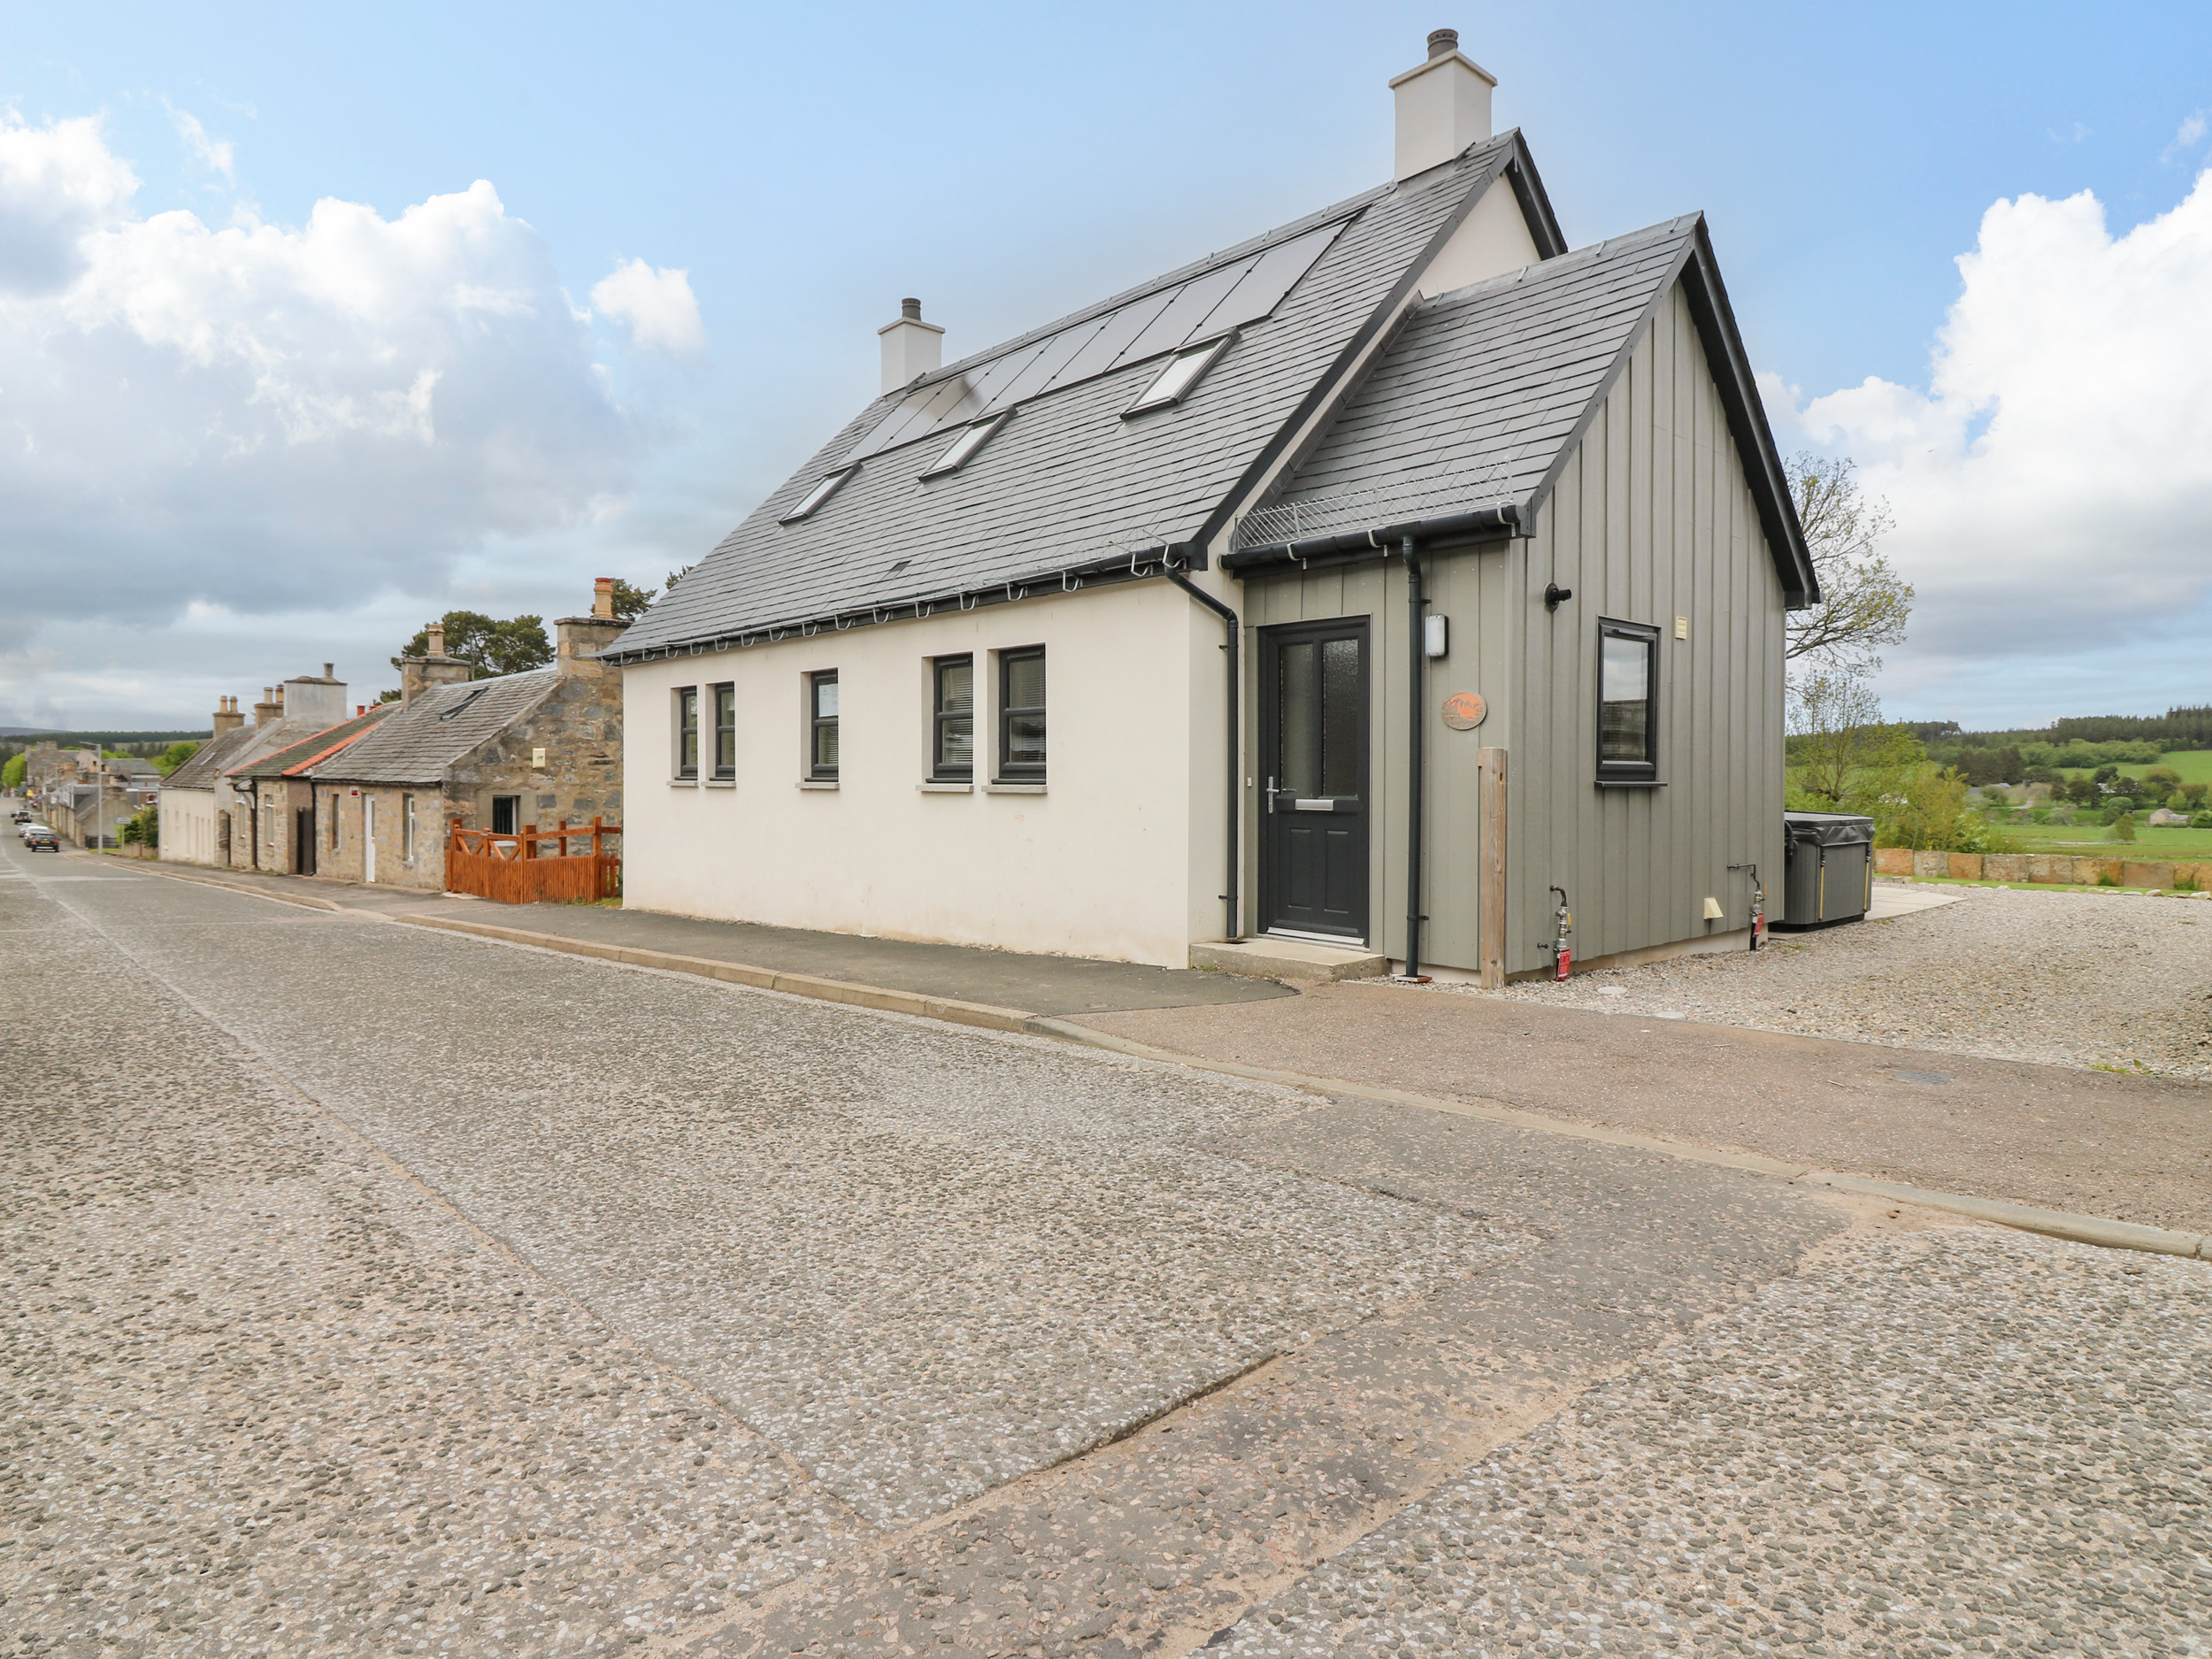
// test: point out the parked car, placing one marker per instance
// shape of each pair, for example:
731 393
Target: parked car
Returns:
37 836
19 818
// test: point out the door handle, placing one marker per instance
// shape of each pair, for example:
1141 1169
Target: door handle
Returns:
1271 796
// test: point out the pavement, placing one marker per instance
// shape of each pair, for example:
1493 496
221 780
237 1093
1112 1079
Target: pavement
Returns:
2134 1148
371 1289
1035 985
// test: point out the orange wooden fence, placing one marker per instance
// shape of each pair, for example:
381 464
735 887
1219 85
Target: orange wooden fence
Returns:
533 867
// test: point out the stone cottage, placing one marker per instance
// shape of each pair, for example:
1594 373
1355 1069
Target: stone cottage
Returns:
514 752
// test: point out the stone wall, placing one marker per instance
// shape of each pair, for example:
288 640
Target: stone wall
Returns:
2027 868
580 729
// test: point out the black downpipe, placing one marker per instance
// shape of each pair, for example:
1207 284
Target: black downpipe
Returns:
1232 628
1417 605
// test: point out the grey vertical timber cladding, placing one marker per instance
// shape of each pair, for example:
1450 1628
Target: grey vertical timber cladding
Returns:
1653 519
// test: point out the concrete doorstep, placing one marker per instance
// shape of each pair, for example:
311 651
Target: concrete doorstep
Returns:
1267 958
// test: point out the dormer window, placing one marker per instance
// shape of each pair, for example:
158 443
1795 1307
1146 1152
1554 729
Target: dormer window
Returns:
820 494
1182 372
967 444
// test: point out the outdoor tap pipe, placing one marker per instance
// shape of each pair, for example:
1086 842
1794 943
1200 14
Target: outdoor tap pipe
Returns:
1232 629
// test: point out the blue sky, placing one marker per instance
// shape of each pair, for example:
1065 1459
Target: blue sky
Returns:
805 167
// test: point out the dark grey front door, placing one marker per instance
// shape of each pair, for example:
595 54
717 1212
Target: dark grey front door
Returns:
1313 739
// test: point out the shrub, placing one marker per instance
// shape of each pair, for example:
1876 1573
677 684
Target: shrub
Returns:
2193 794
142 828
2165 777
2106 878
2123 827
2177 802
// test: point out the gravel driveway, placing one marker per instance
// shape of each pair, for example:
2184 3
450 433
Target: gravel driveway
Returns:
2115 980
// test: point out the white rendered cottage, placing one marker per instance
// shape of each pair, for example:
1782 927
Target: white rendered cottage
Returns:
1364 583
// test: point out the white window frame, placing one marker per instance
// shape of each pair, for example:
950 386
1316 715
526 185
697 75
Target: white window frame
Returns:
1179 376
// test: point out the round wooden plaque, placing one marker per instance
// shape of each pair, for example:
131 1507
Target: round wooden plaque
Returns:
1465 710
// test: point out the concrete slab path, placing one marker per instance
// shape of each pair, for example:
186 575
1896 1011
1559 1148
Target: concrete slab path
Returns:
2135 1149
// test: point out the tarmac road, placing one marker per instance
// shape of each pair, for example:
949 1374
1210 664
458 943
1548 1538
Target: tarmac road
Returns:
372 1290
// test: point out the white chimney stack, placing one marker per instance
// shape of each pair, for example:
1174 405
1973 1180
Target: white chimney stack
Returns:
910 346
1443 107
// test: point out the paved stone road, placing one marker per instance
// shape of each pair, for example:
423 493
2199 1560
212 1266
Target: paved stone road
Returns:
371 1291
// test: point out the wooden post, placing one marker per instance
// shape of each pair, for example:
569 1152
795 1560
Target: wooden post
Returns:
1490 900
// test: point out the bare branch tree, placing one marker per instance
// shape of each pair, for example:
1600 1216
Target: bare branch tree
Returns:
1863 602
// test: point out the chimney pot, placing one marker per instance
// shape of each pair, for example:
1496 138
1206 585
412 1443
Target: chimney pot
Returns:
330 671
1443 106
436 633
910 346
602 598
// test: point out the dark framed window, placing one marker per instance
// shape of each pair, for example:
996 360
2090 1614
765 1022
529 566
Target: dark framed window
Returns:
1628 703
725 731
821 704
1021 715
952 751
688 731
506 809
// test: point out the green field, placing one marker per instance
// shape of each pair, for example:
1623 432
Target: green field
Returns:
2193 765
2093 840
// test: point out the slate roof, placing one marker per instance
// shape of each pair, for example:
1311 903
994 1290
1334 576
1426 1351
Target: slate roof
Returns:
416 744
1482 398
209 759
1067 482
288 758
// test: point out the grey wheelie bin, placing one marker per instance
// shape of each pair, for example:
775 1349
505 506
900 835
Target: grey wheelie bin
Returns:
1828 874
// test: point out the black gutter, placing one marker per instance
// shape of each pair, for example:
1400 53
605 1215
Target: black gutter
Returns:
1417 663
1502 519
1233 629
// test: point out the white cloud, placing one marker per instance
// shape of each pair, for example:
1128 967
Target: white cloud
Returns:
215 153
268 419
56 183
2053 483
658 306
2188 136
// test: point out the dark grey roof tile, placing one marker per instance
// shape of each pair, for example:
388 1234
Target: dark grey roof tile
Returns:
417 743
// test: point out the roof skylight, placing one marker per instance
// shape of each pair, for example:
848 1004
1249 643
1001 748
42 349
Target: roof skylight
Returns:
967 443
1181 373
820 494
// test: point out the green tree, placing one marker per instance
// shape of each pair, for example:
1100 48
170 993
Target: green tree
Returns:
1864 603
488 646
632 601
2177 802
2123 827
11 773
174 756
1839 744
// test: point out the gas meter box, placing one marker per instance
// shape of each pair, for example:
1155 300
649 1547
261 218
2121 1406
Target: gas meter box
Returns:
1828 873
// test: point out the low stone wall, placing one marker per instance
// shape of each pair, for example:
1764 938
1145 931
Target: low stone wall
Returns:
2033 867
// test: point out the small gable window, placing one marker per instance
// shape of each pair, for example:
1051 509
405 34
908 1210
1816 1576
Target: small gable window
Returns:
965 445
812 502
1174 382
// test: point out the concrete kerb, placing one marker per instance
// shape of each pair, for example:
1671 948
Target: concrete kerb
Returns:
2058 1224
307 901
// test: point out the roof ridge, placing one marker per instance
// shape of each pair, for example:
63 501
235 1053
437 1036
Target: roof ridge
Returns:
1561 265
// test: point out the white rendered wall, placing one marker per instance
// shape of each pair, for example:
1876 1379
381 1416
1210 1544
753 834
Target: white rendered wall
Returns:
188 827
1113 860
1491 240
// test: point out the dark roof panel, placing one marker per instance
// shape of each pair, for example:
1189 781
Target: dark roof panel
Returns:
208 760
1069 481
279 761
